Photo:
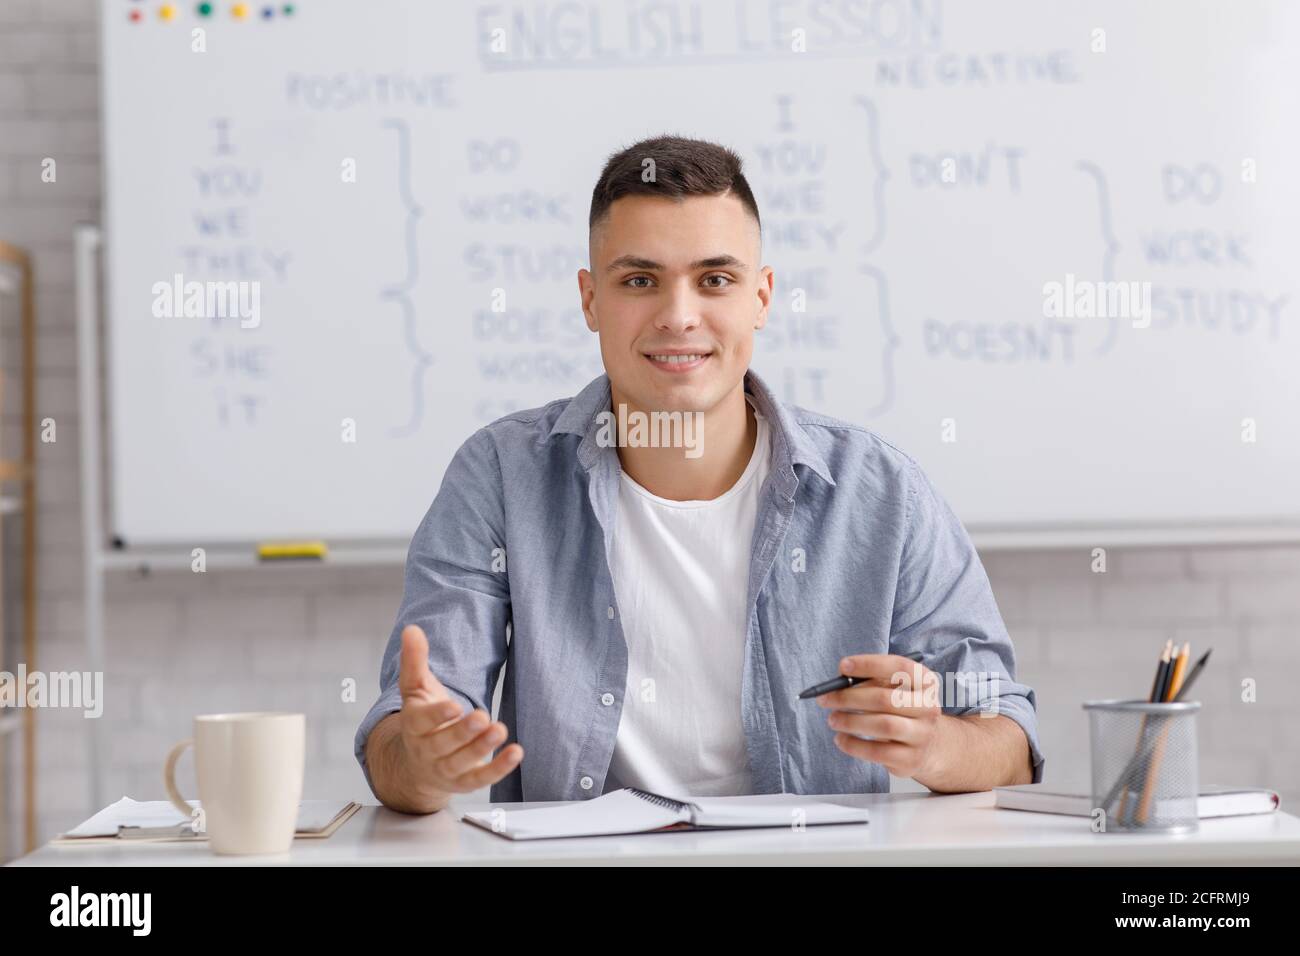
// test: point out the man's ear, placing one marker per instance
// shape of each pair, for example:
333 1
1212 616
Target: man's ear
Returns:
766 282
586 294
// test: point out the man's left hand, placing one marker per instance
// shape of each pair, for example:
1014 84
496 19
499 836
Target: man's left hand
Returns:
899 705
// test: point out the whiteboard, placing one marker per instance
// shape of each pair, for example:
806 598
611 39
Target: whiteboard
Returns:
926 172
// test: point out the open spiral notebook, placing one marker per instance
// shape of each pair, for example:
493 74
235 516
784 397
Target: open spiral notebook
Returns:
631 810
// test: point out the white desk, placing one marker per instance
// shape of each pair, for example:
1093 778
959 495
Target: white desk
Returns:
905 829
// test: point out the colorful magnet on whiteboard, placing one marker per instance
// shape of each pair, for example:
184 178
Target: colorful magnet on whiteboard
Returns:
204 9
166 12
134 16
239 11
287 9
268 13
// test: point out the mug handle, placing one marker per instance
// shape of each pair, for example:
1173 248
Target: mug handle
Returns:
169 780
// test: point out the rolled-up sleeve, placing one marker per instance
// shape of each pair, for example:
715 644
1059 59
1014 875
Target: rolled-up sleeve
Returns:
944 608
456 589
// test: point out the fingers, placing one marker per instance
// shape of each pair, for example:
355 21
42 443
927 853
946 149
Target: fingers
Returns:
878 726
422 717
446 740
889 669
885 700
490 773
414 679
892 756
454 751
469 756
455 744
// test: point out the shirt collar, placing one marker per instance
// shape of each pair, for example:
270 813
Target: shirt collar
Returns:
791 444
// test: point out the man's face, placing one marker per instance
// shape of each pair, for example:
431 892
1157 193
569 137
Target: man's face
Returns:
675 278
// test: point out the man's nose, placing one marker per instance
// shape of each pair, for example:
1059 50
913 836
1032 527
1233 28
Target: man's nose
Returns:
681 312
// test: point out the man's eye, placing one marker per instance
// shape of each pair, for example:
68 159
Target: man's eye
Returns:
636 279
718 275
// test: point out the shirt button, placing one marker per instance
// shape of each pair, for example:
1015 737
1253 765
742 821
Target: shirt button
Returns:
585 783
607 698
609 612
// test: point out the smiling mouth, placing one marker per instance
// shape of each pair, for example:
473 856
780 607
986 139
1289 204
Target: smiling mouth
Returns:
677 361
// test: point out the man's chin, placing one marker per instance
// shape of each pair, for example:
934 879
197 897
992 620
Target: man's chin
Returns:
679 397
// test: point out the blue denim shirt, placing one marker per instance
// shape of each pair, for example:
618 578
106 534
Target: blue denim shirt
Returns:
854 552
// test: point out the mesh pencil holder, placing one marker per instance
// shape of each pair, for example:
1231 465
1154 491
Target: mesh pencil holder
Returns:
1144 774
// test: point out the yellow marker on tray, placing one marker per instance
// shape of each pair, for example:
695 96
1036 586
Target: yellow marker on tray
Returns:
289 550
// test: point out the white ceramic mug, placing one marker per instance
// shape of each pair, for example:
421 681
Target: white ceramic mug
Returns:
250 771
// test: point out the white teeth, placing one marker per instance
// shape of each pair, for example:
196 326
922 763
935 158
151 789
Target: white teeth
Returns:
676 359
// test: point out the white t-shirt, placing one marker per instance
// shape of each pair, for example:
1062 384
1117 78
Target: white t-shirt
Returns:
681 576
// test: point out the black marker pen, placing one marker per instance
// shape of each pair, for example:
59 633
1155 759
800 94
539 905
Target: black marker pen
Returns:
841 682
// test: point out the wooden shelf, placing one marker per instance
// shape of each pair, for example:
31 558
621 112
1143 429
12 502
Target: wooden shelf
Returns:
18 475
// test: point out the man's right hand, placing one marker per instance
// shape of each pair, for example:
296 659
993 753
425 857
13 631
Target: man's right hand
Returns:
437 750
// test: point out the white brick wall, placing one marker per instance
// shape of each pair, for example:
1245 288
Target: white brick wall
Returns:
1081 635
180 644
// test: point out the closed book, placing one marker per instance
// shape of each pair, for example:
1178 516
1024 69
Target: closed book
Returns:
1210 802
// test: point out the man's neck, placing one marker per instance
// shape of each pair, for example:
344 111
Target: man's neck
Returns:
730 431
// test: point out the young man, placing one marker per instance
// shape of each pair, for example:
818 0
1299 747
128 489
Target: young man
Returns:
668 604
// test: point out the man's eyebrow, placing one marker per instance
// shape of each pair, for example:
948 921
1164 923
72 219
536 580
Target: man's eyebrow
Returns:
724 261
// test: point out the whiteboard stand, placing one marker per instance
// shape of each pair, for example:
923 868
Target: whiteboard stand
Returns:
98 555
87 242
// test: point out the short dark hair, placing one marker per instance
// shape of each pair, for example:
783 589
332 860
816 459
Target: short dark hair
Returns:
682 167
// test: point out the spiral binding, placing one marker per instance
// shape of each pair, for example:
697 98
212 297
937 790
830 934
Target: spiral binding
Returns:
668 803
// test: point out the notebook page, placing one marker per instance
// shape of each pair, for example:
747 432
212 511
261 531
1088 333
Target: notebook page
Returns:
617 812
772 810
